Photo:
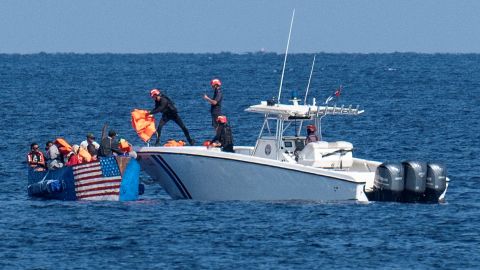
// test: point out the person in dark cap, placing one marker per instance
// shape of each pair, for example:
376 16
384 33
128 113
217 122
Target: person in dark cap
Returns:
109 145
90 145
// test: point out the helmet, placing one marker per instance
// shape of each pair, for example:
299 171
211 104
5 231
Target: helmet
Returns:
222 119
311 128
154 92
215 82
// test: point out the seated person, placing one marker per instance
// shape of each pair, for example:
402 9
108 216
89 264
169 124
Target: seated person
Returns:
72 157
92 151
54 158
35 158
90 145
109 145
223 137
311 136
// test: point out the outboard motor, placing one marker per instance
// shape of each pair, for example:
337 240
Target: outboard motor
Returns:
389 183
436 181
415 180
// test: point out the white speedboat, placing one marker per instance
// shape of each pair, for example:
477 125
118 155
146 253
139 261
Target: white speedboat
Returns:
282 167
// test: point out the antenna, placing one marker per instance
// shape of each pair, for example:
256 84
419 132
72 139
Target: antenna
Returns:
309 79
285 60
306 93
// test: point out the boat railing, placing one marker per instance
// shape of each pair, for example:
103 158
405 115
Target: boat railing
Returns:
334 110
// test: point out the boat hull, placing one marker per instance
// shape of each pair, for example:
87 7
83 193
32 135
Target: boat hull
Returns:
211 175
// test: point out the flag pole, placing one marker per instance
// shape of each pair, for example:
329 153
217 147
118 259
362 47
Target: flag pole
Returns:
306 93
285 60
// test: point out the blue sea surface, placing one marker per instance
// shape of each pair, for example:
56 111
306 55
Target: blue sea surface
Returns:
417 107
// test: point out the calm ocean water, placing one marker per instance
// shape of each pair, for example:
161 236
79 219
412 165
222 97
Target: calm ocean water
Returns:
418 106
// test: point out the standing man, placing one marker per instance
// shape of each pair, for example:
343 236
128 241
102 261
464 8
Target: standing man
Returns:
169 112
216 101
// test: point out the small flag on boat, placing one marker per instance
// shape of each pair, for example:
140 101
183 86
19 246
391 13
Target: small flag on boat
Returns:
335 95
99 180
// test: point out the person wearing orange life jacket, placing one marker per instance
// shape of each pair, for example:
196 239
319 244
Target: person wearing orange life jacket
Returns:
215 101
169 112
223 135
311 136
35 158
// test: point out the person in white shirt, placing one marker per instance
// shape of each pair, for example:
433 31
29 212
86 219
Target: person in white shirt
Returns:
90 144
54 158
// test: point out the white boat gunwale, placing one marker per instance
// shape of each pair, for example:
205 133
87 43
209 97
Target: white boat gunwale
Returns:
333 174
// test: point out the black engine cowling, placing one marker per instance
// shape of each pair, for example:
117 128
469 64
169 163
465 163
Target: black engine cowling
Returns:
388 183
409 181
415 177
436 181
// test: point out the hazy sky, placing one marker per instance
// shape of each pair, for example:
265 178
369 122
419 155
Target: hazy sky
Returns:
121 26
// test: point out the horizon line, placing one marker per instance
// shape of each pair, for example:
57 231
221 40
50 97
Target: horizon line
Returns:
238 53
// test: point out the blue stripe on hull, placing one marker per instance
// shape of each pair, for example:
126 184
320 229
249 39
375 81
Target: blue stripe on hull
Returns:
176 180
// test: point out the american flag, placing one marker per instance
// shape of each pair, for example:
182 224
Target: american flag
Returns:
99 180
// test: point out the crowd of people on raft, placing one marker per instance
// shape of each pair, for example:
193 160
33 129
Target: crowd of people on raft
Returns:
90 150
59 153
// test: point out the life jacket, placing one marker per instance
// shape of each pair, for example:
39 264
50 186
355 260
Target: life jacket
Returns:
35 157
63 146
84 156
173 143
124 146
143 123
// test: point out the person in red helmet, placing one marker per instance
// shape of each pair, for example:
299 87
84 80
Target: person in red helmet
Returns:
215 101
169 112
311 136
223 135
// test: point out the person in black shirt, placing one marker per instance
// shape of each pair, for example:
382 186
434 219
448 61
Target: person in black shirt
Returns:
216 101
169 112
223 135
109 145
